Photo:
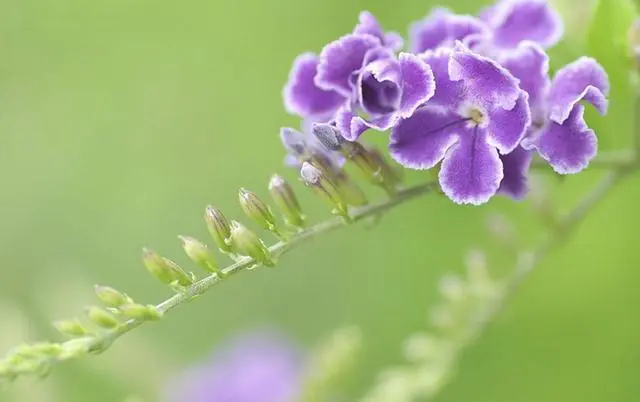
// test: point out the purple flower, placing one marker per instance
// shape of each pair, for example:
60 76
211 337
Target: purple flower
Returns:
559 133
478 111
369 25
515 21
303 97
386 89
261 367
515 167
443 28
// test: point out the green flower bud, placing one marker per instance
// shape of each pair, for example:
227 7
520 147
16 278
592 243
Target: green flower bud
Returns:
256 210
164 269
70 327
351 193
101 318
180 276
325 187
109 296
199 253
156 266
284 197
140 312
219 228
247 243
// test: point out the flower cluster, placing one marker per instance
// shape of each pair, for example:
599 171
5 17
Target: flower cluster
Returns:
472 96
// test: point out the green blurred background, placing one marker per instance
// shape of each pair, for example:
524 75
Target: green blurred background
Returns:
121 120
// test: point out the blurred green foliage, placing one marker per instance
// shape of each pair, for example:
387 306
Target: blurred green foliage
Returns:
121 120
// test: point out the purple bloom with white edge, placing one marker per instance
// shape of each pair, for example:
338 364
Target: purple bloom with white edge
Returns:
515 166
303 97
515 21
560 135
478 112
369 25
386 90
443 28
261 367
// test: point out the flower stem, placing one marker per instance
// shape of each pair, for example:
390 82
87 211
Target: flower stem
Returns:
102 341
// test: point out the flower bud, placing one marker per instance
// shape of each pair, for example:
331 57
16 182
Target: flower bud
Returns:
256 210
156 266
219 228
101 318
70 327
164 269
140 312
247 243
351 193
109 296
318 180
284 197
199 253
329 136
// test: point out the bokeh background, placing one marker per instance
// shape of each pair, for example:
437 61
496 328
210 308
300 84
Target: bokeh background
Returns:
121 120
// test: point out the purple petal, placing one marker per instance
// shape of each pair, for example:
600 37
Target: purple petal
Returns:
484 80
448 94
507 127
584 79
530 64
369 25
515 167
352 126
514 21
418 83
302 96
471 171
568 147
340 59
442 28
379 87
422 140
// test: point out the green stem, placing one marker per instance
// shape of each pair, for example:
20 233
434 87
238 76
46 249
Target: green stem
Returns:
103 341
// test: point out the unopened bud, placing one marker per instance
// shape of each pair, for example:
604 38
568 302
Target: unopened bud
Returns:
329 136
317 179
372 166
256 209
350 191
70 327
199 253
284 197
101 318
164 269
219 228
156 266
140 312
109 296
247 243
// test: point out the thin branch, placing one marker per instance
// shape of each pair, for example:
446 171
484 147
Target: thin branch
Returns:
39 358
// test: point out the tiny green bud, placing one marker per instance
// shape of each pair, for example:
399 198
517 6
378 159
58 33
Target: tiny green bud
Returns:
199 253
156 266
101 318
246 242
70 327
109 296
140 312
219 228
351 193
256 209
325 187
284 197
179 275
